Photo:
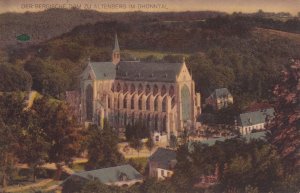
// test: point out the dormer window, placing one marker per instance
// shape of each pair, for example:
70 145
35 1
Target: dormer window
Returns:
123 177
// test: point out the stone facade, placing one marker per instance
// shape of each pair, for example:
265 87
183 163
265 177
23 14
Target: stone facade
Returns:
160 95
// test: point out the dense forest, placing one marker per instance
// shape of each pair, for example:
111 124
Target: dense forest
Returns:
243 53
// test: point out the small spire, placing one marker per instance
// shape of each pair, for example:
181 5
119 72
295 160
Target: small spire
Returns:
183 59
117 47
89 60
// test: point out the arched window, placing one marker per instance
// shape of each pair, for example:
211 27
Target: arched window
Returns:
164 105
173 102
140 89
171 91
148 104
140 103
132 102
132 88
156 104
89 102
155 90
108 102
125 102
148 89
163 90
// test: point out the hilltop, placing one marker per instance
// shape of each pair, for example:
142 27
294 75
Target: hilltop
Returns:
44 25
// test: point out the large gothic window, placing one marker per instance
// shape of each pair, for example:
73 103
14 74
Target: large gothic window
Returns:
108 102
173 102
148 103
164 105
186 103
125 102
140 103
89 102
132 102
156 104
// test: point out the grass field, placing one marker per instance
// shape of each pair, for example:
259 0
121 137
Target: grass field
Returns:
145 53
270 34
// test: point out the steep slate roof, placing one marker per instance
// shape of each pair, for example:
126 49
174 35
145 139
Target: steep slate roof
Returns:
221 92
145 71
256 117
112 174
103 70
163 157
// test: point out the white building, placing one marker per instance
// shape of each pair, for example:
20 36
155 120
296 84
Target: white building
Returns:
256 120
161 163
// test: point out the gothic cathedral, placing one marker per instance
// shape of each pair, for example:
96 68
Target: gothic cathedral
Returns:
159 95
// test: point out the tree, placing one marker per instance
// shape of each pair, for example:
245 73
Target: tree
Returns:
150 143
34 146
60 130
284 128
102 147
136 144
8 147
173 141
11 109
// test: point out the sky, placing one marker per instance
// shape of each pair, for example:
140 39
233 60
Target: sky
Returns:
292 6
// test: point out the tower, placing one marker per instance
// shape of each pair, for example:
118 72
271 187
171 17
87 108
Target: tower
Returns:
116 52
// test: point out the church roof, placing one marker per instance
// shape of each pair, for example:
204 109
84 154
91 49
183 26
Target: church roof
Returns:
163 158
221 92
145 71
103 70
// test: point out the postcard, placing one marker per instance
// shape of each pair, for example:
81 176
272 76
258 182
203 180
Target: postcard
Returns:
161 96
